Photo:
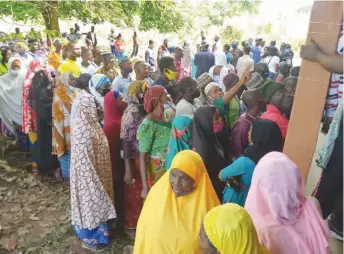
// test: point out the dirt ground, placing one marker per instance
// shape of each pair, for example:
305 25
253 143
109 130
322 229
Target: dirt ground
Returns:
35 214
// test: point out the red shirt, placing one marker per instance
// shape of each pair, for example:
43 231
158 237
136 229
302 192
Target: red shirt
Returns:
179 68
272 113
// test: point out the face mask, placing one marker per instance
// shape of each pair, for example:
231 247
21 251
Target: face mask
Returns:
103 92
15 72
218 127
234 46
128 70
171 75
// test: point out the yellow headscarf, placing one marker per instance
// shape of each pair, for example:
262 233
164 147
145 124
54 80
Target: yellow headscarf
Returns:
170 224
230 229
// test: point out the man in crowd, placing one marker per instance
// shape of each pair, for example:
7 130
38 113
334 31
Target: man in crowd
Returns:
163 50
226 49
256 51
91 35
33 46
255 104
277 98
55 58
150 56
123 80
71 64
204 59
141 70
17 35
245 62
190 91
216 43
236 52
108 68
112 38
86 63
97 59
168 73
34 35
178 56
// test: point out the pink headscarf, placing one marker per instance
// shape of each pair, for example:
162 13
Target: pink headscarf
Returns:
286 221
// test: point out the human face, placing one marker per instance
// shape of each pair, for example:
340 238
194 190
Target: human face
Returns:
152 45
72 81
143 71
104 89
181 183
87 56
76 50
204 243
216 92
16 65
179 53
127 67
34 46
194 90
20 49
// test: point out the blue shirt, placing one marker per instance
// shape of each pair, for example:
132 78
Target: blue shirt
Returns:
122 84
204 60
255 54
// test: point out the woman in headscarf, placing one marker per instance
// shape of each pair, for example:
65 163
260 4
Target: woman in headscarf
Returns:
265 136
211 141
64 95
11 85
40 100
176 205
22 49
4 63
99 85
91 175
29 123
286 220
229 81
153 135
229 229
131 120
114 107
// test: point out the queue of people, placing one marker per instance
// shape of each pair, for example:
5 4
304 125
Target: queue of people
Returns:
158 157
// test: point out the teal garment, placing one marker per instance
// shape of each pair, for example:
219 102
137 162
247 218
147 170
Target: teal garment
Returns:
243 167
180 138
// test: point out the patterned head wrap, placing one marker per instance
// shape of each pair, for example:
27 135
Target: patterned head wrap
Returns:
152 97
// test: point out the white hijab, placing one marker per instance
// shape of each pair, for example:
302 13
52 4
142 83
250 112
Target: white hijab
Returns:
11 85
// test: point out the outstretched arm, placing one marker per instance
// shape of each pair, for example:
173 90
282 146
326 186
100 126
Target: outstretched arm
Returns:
228 96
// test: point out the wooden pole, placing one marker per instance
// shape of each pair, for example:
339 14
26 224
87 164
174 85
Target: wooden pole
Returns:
324 27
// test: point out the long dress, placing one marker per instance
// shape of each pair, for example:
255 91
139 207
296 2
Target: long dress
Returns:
40 101
91 175
113 112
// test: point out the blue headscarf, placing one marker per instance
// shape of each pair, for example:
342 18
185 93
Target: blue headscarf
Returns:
98 80
180 139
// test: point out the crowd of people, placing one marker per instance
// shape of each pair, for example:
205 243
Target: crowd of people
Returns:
155 145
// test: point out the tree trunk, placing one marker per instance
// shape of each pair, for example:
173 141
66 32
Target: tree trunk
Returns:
50 13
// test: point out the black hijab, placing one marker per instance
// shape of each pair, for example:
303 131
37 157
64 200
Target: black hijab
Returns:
266 137
207 145
41 96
